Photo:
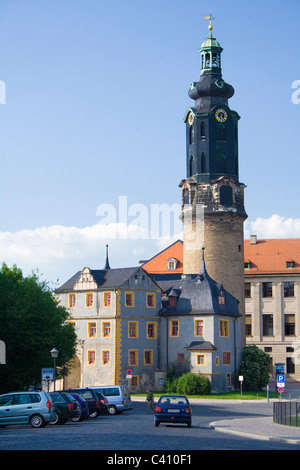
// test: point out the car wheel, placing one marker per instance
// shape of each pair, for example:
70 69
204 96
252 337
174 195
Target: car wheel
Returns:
77 419
156 423
57 419
189 424
37 421
112 410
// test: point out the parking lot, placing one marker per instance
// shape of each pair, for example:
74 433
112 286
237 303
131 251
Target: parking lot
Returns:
134 430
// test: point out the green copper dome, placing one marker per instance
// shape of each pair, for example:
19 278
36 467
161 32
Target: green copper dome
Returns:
210 42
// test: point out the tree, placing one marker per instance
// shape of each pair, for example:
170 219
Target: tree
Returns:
31 324
255 368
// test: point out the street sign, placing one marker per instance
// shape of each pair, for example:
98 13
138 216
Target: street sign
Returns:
129 372
128 377
280 389
47 374
280 380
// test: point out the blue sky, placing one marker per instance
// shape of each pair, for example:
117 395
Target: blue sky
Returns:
96 92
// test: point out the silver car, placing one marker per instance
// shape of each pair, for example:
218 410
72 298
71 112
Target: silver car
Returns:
35 408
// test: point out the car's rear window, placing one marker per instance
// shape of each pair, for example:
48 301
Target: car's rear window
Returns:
57 398
86 394
174 401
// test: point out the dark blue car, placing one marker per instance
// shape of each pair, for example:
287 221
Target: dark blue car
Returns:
173 409
83 408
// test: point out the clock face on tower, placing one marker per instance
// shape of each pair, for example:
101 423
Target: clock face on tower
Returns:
221 115
191 119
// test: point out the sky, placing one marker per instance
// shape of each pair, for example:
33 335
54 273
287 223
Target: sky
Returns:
92 139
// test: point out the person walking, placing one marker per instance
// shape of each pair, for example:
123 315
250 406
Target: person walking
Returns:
150 400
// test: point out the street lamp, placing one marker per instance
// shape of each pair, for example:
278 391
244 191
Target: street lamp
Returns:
54 353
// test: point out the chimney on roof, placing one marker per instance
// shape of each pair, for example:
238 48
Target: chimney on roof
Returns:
253 239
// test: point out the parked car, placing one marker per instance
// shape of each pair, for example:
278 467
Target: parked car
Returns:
103 403
91 398
83 408
66 407
173 409
118 397
34 408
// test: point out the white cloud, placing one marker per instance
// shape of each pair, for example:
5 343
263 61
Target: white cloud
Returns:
275 226
59 252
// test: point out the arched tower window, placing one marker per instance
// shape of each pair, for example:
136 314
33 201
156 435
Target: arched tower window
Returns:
226 197
221 132
207 59
203 163
191 135
202 131
185 196
221 164
191 163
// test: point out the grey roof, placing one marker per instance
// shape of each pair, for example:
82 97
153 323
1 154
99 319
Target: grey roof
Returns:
202 346
104 278
197 295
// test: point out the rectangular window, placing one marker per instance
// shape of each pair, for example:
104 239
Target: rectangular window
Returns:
180 357
91 357
151 330
248 325
107 299
288 289
72 300
224 328
129 299
267 289
92 330
134 380
247 290
106 329
89 299
226 358
200 358
289 325
73 323
290 365
199 327
105 357
132 329
267 325
150 300
132 357
148 357
174 328
228 380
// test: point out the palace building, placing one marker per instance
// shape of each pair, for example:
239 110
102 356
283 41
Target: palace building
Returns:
189 314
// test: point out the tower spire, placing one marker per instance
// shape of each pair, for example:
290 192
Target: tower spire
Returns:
209 17
107 266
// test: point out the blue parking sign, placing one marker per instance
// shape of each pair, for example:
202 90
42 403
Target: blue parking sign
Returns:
280 380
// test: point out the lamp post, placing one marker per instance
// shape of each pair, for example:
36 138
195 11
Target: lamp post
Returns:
54 353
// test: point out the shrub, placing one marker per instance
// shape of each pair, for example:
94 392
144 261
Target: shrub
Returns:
193 384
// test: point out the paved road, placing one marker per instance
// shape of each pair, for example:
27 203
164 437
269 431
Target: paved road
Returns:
135 431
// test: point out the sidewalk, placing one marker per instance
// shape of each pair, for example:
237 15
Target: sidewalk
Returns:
259 428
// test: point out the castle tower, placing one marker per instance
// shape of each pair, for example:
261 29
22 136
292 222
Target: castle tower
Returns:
213 211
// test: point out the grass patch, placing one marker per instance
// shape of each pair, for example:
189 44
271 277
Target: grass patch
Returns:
235 395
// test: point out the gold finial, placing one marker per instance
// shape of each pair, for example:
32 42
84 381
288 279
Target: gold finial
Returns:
209 17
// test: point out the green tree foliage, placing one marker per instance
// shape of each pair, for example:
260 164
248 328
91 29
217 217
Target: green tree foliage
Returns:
31 324
193 384
255 368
